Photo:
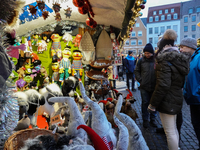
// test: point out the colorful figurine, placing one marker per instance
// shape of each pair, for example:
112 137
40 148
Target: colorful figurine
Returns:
35 39
77 40
56 47
77 68
42 46
65 65
55 76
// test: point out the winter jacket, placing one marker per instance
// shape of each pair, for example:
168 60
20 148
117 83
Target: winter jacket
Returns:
145 73
129 64
192 84
171 69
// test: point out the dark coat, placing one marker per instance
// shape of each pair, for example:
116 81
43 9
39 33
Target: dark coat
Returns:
171 69
129 63
145 73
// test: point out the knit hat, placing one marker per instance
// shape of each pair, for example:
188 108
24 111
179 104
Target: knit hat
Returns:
168 39
130 52
148 48
189 42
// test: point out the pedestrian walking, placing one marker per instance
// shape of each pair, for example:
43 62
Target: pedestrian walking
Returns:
171 69
192 84
145 75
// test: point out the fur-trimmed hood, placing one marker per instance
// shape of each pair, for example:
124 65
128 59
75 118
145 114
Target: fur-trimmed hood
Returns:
177 59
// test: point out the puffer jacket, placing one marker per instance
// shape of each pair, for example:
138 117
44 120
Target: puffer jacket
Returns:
171 69
145 73
129 64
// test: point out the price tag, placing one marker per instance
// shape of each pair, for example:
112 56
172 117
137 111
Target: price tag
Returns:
56 120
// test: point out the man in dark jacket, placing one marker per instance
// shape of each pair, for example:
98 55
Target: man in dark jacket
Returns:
130 66
145 75
192 85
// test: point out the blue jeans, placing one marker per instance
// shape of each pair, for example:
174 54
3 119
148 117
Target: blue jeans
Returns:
130 76
146 96
195 111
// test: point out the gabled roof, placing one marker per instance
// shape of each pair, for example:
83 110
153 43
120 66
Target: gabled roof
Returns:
144 20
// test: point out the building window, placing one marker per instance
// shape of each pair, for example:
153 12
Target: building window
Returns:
134 52
194 36
140 51
168 17
185 19
193 27
154 12
133 42
185 36
155 40
133 34
160 11
151 40
150 19
156 30
175 16
127 42
139 42
166 11
193 18
168 27
185 28
139 33
163 17
150 30
190 11
162 29
156 18
198 9
137 25
172 10
175 28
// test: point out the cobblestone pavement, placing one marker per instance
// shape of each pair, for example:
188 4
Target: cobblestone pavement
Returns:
157 141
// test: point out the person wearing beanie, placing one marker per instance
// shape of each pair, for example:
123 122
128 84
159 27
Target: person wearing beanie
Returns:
129 63
167 98
145 75
191 89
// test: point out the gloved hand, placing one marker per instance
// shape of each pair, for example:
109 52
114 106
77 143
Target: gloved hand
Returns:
151 108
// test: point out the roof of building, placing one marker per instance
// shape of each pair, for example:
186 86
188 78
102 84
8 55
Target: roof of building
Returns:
189 4
144 20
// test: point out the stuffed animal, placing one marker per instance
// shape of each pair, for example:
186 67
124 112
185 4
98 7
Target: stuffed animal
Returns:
77 68
24 123
67 38
77 40
42 46
55 75
56 47
65 65
69 86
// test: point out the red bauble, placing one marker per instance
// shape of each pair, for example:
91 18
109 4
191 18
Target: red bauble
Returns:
78 3
84 9
142 6
89 21
94 24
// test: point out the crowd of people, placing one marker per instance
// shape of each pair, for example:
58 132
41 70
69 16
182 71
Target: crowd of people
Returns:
166 77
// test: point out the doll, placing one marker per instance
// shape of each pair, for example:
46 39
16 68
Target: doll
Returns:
77 67
65 65
55 76
77 40
42 46
56 47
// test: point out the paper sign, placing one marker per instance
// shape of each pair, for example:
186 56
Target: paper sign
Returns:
56 120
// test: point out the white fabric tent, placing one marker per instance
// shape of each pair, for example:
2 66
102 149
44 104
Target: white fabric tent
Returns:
107 12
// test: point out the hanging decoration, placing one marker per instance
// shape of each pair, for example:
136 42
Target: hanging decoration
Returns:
56 7
45 15
58 17
32 9
78 3
41 5
68 12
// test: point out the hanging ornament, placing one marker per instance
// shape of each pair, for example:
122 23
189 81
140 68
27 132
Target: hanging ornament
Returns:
32 9
56 7
89 21
144 1
142 6
45 15
84 9
94 24
78 3
41 5
68 12
58 17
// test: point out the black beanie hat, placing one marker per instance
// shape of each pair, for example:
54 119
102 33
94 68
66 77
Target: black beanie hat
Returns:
148 48
130 52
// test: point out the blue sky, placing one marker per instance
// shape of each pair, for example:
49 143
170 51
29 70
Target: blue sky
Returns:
151 3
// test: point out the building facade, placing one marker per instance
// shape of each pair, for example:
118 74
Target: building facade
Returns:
161 18
190 16
137 39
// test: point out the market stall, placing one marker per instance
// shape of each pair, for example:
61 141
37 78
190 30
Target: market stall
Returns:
57 46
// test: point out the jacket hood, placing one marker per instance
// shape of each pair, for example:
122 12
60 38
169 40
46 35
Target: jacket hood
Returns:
178 60
130 58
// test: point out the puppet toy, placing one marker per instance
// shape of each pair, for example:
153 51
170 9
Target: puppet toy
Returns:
56 7
42 46
46 36
68 12
77 40
65 65
77 68
24 123
28 47
56 47
67 38
28 69
35 39
55 75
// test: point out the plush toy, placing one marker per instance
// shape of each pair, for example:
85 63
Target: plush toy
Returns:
35 39
100 123
42 46
28 69
77 40
77 68
24 123
55 75
69 86
67 38
56 47
65 65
